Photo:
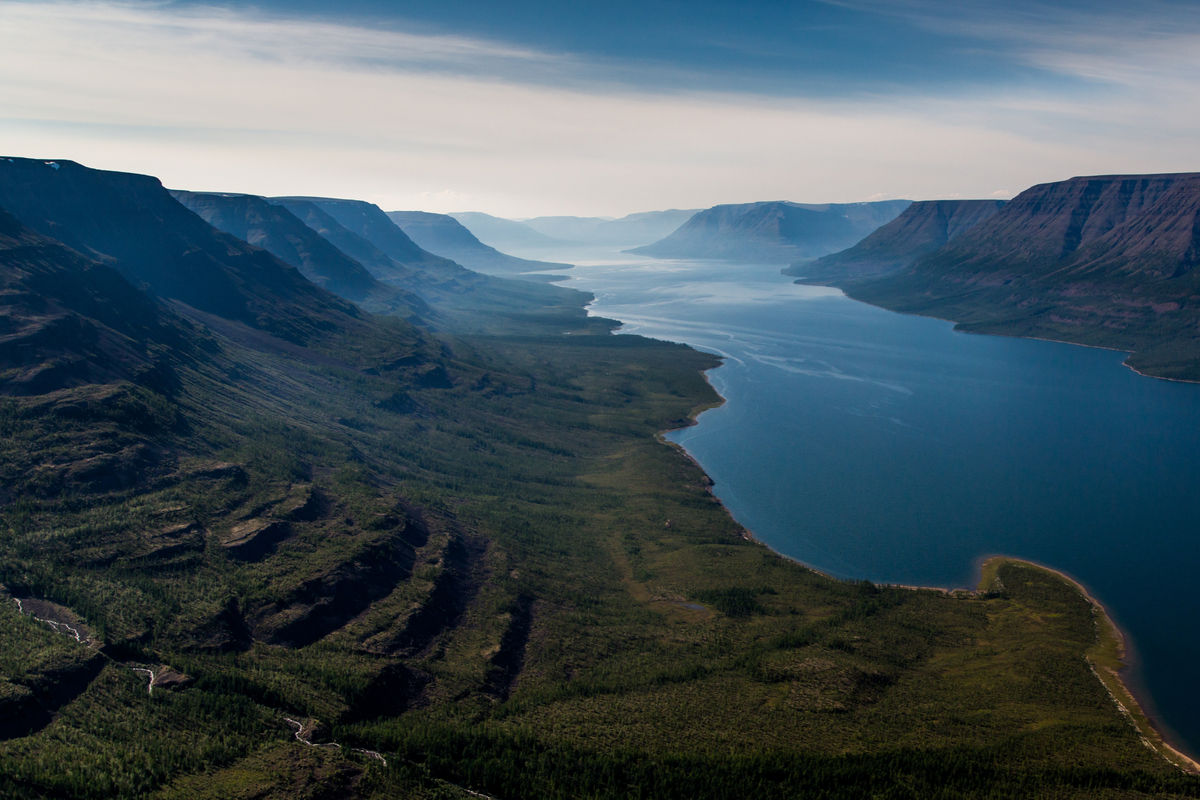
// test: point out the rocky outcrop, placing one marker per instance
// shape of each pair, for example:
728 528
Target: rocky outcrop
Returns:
325 602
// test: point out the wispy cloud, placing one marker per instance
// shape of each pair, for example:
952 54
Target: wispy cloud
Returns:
211 98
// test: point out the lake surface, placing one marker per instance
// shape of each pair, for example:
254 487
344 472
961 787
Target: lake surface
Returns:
870 444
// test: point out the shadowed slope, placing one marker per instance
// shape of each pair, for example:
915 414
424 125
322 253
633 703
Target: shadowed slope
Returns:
276 230
132 223
67 321
1106 260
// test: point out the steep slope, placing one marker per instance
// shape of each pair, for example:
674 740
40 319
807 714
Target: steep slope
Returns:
920 229
446 236
371 223
67 321
465 300
132 223
276 230
628 231
1106 260
505 234
771 232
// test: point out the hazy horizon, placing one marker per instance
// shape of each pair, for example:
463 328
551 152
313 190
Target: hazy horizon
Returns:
535 109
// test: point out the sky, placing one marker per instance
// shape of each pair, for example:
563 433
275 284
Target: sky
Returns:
524 108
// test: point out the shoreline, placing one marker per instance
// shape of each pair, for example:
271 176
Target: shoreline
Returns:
1106 658
959 329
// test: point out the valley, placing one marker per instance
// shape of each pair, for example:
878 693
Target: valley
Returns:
458 546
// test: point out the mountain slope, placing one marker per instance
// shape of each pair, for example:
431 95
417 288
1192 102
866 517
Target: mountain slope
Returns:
1107 260
445 236
505 234
778 231
132 223
276 230
67 321
920 229
464 299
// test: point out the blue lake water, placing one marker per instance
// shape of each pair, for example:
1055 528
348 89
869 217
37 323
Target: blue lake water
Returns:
875 445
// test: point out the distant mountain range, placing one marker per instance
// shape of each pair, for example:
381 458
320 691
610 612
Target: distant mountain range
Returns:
444 235
773 232
921 228
505 234
628 231
1105 260
547 233
353 249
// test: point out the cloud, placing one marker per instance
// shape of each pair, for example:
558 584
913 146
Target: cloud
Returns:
224 100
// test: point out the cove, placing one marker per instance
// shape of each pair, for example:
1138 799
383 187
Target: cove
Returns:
870 444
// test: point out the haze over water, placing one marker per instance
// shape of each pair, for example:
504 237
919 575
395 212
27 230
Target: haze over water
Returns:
870 444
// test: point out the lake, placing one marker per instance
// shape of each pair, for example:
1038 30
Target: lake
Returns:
870 444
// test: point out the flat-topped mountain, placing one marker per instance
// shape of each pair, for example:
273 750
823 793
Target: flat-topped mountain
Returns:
773 232
444 235
1107 260
275 229
921 228
132 223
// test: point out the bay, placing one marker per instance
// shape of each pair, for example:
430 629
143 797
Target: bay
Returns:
870 444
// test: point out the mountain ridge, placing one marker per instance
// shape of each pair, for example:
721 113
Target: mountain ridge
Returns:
1103 260
443 235
921 228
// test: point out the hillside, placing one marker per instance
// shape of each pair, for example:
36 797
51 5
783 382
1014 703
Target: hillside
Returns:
773 232
133 224
69 321
920 229
461 298
1105 260
276 230
446 236
407 563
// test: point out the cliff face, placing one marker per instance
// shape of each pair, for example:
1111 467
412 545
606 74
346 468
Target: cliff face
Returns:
922 228
1106 260
131 223
1121 224
773 232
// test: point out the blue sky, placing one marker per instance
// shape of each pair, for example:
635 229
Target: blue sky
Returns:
522 108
